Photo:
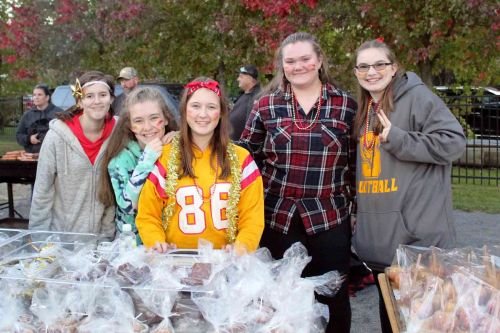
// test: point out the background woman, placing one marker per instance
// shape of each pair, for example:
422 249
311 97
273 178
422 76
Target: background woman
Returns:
34 123
298 132
407 141
203 186
68 173
133 149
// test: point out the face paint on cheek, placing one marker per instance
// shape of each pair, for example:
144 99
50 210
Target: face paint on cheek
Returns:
135 128
311 67
158 123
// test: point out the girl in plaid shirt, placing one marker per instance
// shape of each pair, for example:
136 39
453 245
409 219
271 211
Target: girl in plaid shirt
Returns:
299 134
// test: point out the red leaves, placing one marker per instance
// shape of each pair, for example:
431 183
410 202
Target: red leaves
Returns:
69 10
11 59
20 35
280 8
24 73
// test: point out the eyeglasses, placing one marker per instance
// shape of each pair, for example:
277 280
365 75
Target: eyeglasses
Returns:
379 66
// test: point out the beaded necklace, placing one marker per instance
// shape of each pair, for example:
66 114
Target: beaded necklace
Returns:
296 116
367 125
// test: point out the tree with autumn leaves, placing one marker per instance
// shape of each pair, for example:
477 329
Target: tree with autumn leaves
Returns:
447 41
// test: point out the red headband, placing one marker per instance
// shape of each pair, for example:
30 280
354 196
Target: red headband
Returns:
195 85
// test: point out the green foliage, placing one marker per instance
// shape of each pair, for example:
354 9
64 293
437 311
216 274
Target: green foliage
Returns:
439 35
174 40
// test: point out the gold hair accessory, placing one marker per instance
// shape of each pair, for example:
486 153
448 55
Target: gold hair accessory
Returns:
77 90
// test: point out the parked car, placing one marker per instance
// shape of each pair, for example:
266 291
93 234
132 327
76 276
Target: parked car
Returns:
63 96
479 107
27 102
175 89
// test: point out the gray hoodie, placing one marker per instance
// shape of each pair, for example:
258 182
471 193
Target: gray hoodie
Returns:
403 185
66 187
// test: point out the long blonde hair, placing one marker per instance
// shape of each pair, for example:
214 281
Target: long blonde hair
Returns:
364 96
122 135
219 142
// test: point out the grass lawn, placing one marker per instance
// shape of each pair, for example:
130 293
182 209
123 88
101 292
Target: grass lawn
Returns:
8 144
480 198
471 193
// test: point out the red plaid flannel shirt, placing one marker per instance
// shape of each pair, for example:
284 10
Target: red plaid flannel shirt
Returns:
312 171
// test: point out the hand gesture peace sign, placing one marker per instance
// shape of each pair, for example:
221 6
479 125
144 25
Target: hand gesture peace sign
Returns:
385 123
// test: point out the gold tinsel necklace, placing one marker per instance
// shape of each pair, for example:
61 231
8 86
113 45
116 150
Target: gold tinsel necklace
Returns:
234 189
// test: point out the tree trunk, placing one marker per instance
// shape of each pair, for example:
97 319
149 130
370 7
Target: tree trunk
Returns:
221 73
425 69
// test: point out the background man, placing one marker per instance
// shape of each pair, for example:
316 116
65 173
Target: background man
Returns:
248 82
128 79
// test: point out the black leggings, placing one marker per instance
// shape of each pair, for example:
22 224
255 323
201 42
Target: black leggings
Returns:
330 250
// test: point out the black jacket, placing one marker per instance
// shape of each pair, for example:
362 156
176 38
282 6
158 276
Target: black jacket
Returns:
241 110
35 121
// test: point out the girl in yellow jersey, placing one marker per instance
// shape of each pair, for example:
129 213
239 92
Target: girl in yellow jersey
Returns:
202 186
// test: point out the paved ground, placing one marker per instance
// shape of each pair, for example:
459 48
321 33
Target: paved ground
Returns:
474 229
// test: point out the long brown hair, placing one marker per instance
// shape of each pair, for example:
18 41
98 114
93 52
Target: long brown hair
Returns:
87 77
364 96
280 80
122 135
218 144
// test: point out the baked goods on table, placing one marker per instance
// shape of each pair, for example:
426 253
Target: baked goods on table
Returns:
19 155
54 286
447 291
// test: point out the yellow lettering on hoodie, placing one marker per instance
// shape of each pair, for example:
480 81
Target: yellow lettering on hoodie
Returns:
386 186
394 188
377 186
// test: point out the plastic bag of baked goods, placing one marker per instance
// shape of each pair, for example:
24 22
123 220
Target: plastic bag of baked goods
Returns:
57 306
154 300
270 294
84 265
119 324
15 312
245 276
292 297
446 290
104 301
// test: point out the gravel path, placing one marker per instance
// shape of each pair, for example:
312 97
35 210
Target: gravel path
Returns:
473 229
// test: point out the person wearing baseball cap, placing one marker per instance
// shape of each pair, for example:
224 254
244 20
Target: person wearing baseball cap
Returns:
248 82
128 79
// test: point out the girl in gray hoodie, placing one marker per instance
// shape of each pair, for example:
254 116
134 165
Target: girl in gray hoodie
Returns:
408 139
68 172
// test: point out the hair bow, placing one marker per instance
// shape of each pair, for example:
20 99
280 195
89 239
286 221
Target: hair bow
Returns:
77 90
380 39
195 85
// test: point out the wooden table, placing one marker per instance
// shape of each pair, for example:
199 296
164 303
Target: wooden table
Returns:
390 304
15 172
